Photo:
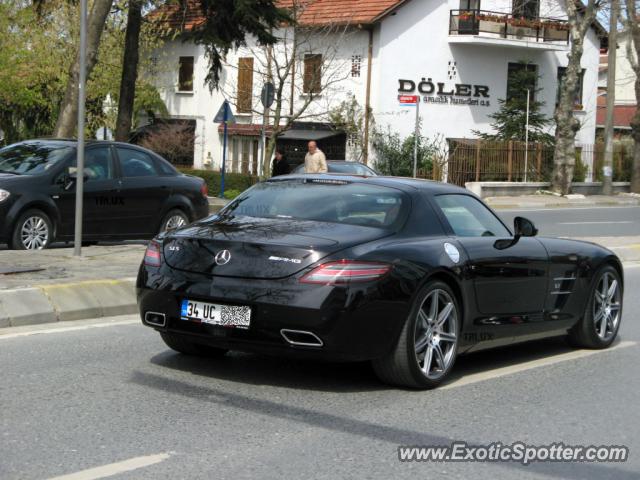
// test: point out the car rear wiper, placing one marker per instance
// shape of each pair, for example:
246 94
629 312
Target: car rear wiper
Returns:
7 171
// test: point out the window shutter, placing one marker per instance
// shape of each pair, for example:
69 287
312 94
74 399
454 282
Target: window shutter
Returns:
245 85
312 73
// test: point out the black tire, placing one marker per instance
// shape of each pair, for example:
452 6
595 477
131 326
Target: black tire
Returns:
181 344
585 333
402 367
171 214
40 222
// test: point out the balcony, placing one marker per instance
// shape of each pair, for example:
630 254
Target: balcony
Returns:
484 27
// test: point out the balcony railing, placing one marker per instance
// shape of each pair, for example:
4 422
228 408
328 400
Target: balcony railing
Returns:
486 23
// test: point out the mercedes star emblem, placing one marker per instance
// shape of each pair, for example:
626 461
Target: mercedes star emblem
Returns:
222 257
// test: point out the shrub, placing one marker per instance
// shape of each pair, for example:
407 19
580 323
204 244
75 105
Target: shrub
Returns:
580 169
231 194
232 181
173 141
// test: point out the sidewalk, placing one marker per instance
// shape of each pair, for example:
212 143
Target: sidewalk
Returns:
53 285
570 201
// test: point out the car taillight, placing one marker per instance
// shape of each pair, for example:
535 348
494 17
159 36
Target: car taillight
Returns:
204 190
153 255
346 271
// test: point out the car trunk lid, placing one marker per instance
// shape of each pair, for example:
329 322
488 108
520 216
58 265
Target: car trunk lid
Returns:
251 247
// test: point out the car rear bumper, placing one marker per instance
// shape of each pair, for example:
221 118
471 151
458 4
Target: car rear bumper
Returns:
350 323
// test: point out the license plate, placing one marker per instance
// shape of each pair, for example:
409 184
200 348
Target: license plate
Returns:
215 314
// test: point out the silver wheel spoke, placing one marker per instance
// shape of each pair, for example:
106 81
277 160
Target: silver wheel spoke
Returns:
422 344
605 285
447 337
423 319
439 356
444 314
603 325
434 307
426 367
599 316
612 290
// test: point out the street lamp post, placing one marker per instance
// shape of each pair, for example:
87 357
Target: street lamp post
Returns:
77 237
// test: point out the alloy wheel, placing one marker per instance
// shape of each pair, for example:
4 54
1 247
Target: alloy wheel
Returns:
606 307
436 334
34 233
175 221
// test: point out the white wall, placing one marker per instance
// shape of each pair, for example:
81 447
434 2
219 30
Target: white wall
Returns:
414 45
625 76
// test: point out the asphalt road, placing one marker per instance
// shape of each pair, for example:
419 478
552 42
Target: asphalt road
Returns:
581 221
104 397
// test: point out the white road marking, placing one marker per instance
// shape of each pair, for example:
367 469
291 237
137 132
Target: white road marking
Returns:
556 209
524 366
593 223
633 265
115 468
57 328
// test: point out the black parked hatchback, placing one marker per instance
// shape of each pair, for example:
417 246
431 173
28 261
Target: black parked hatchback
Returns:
129 193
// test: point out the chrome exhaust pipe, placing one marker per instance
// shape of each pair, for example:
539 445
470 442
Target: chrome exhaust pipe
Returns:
155 319
301 338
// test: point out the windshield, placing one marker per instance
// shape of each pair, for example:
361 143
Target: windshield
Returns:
350 167
31 158
323 200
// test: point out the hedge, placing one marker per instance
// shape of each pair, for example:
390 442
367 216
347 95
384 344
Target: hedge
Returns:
232 181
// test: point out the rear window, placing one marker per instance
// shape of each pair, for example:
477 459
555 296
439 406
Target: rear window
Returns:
323 200
31 158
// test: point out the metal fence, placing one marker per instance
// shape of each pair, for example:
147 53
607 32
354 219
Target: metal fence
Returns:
477 161
472 160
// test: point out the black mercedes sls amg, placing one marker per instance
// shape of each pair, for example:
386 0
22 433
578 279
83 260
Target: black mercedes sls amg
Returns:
405 273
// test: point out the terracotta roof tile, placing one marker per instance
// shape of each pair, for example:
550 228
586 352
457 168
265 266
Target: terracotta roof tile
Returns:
311 12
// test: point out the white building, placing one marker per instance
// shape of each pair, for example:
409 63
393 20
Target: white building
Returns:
456 55
625 95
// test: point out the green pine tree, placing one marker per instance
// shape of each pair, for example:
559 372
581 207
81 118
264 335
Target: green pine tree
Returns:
509 122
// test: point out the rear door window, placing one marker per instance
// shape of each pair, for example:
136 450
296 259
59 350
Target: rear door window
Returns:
134 163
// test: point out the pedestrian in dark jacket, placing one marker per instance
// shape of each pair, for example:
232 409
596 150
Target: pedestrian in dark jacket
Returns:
280 165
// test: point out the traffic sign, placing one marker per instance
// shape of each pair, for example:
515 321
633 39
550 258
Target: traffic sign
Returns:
408 99
224 116
268 94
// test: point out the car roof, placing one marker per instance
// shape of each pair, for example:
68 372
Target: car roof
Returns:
402 183
74 141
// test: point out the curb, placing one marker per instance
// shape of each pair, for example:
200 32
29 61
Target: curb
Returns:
67 301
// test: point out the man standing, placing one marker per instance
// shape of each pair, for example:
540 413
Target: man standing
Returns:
314 160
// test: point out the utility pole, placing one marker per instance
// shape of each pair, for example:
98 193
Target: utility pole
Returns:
77 237
526 139
607 169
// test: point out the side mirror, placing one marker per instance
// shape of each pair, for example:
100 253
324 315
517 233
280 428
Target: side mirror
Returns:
524 227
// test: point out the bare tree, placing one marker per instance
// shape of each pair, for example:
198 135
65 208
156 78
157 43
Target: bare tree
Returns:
581 18
305 68
632 25
66 124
